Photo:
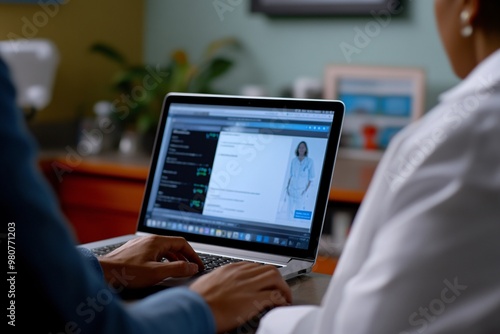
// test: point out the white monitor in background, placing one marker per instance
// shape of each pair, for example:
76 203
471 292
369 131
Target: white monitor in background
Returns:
33 64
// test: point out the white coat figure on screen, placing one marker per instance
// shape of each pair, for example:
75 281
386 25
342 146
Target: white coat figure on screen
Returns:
301 176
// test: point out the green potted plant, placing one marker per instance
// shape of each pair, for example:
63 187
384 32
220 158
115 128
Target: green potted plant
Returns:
141 88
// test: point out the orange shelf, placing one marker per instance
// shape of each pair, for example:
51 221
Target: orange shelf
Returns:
100 195
325 265
114 170
342 195
351 179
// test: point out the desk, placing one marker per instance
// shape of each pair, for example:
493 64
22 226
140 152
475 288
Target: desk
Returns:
307 290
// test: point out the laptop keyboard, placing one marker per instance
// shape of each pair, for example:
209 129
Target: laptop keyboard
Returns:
100 251
209 260
213 261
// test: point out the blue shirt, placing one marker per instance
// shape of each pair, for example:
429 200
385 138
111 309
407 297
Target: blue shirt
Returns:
55 283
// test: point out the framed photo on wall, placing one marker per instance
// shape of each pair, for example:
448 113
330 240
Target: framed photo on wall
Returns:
325 7
379 102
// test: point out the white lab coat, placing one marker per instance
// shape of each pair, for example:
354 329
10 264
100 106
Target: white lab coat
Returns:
301 174
423 255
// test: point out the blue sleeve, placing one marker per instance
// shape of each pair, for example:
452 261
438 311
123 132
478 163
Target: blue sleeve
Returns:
92 260
53 282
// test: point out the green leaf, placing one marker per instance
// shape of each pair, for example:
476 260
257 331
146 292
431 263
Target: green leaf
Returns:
108 52
144 123
215 68
126 79
145 87
179 76
220 44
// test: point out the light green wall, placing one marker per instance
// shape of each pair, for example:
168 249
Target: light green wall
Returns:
280 50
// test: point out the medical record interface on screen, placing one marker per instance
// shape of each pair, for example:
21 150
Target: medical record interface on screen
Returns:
243 173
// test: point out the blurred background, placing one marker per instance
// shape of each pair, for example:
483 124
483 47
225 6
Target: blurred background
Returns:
117 59
276 51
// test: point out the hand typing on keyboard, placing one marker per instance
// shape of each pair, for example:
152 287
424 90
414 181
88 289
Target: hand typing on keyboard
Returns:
236 291
138 263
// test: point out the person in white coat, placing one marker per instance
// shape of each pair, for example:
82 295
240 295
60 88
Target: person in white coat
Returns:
423 255
301 176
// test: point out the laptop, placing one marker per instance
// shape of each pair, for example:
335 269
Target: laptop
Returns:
245 178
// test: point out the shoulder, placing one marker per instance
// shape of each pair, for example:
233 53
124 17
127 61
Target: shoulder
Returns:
472 121
455 143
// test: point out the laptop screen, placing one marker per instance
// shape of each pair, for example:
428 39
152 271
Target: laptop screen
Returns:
243 172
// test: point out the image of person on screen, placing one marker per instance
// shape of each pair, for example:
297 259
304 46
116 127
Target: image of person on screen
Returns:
299 181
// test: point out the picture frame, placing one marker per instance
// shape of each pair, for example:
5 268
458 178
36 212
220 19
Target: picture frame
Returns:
324 7
380 101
